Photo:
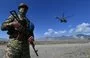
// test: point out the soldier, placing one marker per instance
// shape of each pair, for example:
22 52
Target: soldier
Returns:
19 31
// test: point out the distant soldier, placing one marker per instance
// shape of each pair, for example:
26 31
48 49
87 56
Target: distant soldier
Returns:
19 33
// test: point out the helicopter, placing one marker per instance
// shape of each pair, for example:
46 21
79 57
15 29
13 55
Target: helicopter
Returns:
63 18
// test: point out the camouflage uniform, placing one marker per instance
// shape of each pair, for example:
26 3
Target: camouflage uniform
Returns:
18 46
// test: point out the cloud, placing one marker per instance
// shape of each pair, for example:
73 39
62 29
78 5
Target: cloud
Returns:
52 32
83 28
71 30
49 32
63 31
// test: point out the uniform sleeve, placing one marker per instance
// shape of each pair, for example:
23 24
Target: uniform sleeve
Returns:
6 23
31 29
31 26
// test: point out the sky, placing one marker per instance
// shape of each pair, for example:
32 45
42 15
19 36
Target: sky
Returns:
43 12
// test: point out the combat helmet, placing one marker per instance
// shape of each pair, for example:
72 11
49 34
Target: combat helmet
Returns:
22 5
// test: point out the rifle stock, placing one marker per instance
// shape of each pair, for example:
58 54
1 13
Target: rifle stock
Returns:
14 14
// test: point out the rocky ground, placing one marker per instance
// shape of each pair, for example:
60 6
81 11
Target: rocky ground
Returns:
58 51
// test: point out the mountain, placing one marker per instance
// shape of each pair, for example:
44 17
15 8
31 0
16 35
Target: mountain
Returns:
83 36
78 36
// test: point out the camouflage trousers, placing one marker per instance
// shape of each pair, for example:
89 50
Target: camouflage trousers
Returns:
17 49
